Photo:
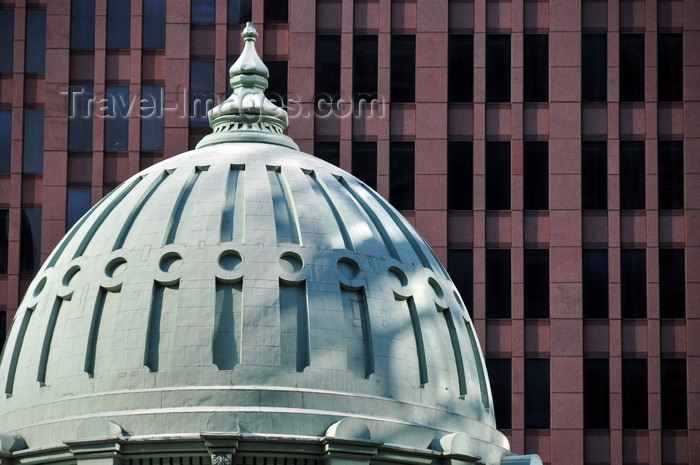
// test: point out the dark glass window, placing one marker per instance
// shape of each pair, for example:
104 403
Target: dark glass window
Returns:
536 286
78 204
670 66
536 175
536 393
595 283
498 279
596 393
594 175
152 118
633 283
674 394
35 48
82 24
117 121
4 239
203 11
327 69
154 24
240 11
498 175
202 97
498 67
30 241
402 175
118 24
364 162
364 68
632 67
5 139
403 68
632 177
33 152
7 39
277 83
670 174
635 401
328 151
80 118
460 266
594 67
501 390
460 77
460 170
536 67
672 283
276 11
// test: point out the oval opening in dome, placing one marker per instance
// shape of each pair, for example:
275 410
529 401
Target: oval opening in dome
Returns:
348 268
171 261
116 267
291 262
230 260
70 274
398 276
436 288
40 286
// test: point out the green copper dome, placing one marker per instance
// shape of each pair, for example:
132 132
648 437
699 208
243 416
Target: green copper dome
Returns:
246 288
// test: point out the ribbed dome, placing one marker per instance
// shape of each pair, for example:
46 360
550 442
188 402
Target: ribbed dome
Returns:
241 268
247 284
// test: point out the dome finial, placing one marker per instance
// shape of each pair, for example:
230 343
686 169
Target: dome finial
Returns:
249 69
247 115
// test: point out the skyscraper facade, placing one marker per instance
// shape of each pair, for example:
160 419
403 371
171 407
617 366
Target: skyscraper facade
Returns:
547 151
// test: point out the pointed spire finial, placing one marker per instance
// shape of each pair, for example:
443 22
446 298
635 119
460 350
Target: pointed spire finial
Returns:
249 68
247 115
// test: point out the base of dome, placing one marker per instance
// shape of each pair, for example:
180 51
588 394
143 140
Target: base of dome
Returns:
258 410
336 446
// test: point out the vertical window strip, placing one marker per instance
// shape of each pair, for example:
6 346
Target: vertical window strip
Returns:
35 46
82 24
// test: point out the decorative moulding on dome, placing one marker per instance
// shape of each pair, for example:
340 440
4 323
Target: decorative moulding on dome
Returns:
349 428
99 427
455 443
247 115
11 443
223 422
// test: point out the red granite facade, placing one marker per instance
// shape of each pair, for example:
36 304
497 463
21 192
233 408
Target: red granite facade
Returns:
643 242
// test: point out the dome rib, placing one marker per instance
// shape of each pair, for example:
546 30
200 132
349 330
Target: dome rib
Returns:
133 215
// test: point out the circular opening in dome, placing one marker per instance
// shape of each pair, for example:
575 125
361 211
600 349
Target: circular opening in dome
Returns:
116 267
230 260
459 301
171 261
40 286
348 268
72 271
436 288
291 262
398 276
